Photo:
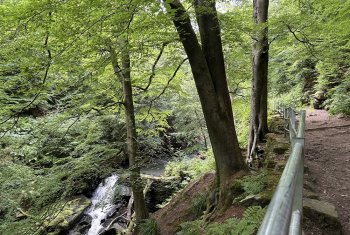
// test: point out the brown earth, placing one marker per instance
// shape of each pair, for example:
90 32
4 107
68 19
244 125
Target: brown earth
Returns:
179 210
327 158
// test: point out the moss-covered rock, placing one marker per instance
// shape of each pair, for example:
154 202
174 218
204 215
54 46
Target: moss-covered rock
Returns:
324 213
161 190
71 212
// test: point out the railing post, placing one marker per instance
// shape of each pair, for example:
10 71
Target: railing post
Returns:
286 121
301 127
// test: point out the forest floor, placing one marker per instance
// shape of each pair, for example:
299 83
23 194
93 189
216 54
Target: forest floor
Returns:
180 209
327 156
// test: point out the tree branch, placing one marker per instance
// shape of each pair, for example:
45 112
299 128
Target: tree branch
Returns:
166 86
153 73
306 42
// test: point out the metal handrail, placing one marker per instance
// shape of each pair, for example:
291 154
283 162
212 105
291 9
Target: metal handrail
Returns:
284 213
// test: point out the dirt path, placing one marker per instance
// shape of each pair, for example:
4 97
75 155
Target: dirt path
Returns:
327 155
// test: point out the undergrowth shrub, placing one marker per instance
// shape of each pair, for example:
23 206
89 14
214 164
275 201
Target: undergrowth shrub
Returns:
254 184
242 117
199 204
148 227
194 167
248 225
340 100
292 99
195 227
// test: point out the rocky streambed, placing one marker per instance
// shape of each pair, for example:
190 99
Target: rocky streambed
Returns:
108 213
105 213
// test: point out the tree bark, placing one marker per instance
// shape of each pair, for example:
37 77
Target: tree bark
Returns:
124 74
258 119
207 64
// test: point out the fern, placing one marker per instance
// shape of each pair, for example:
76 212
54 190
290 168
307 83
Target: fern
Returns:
149 227
254 215
254 184
195 227
248 225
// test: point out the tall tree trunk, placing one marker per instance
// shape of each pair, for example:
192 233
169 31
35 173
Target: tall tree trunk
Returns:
208 70
263 126
202 130
131 142
258 117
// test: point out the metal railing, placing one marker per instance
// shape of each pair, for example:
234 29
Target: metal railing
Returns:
285 210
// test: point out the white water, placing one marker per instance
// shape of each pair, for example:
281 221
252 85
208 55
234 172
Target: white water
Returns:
102 203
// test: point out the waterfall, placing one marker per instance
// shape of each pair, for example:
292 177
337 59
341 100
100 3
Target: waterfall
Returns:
102 203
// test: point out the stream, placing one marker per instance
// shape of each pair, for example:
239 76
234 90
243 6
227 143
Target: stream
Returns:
102 203
102 212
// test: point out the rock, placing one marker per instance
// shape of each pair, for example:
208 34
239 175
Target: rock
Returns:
324 213
118 227
309 185
159 191
122 193
85 220
309 194
281 148
20 216
341 116
114 210
270 164
255 200
82 227
111 231
279 166
276 144
319 98
277 125
70 214
33 160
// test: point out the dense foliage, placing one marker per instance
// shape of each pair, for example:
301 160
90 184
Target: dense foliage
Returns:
62 124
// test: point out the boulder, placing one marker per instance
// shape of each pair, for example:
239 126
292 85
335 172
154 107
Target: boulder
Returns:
309 194
276 144
319 98
270 164
281 148
159 191
260 199
111 231
69 215
122 194
279 166
309 185
324 213
115 209
85 220
20 216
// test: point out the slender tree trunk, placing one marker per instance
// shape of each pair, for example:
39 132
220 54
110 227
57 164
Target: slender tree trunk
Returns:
131 142
258 119
212 89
